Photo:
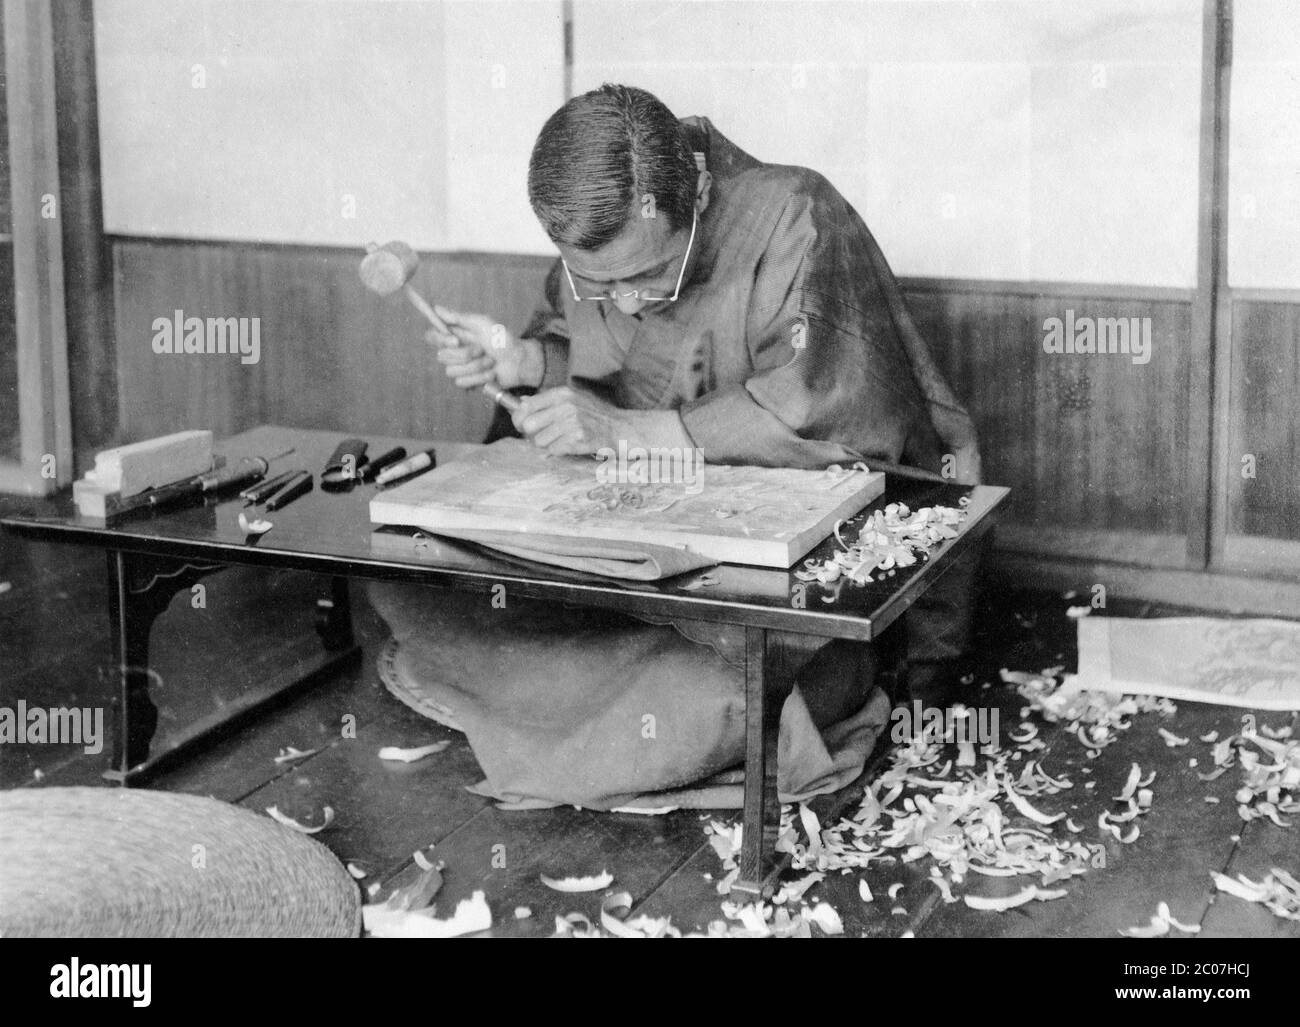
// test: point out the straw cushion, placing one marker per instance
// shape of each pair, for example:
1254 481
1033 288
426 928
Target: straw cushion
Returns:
116 862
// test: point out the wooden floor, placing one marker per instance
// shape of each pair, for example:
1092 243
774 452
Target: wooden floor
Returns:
54 647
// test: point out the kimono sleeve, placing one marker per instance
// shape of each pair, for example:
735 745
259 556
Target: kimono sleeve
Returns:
549 327
828 385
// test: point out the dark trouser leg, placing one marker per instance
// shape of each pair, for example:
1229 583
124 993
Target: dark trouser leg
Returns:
938 629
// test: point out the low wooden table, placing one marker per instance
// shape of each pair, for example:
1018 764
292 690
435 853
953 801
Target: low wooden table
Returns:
153 555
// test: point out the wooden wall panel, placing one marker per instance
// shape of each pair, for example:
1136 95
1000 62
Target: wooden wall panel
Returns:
1264 418
332 354
1089 442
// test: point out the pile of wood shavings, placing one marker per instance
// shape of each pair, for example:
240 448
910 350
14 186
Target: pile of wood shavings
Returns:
955 816
1094 718
1271 778
1279 892
967 820
887 539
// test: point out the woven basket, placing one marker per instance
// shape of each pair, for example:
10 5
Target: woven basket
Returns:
114 862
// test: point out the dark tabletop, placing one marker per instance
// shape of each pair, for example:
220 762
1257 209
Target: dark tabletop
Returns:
330 532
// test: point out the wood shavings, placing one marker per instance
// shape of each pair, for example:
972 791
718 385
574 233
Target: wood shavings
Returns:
812 826
575 925
394 754
939 881
290 754
1172 740
1160 925
573 885
420 892
421 860
615 908
260 526
794 890
887 539
1022 805
1030 894
1271 775
1279 892
471 916
825 917
1130 785
1093 718
280 818
965 819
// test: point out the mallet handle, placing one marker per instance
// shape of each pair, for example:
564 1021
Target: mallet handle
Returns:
422 305
491 390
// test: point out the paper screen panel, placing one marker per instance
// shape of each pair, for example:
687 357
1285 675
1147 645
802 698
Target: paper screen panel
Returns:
1264 147
1026 139
422 113
505 77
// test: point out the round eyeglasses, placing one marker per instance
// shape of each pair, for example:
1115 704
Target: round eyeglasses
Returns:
637 294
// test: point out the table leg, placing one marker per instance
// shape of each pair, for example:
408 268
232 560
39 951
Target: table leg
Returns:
334 617
139 589
769 677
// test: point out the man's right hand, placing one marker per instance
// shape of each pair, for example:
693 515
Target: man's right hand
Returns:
479 350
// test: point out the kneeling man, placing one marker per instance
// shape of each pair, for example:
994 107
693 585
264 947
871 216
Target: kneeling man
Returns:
702 300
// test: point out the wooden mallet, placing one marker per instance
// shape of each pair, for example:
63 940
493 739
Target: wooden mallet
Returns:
388 268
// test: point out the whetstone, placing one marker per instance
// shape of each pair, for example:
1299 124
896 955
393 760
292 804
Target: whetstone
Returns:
129 470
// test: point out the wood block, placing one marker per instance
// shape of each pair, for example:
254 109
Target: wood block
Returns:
129 470
94 500
763 516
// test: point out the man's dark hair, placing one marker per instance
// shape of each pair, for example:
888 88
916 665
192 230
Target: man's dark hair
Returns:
596 159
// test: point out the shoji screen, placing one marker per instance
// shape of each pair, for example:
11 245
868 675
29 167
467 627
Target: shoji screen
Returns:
325 121
1010 139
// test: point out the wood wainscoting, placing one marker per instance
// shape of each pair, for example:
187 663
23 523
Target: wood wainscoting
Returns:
332 355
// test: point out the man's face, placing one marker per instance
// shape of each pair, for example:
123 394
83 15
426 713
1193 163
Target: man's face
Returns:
645 259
